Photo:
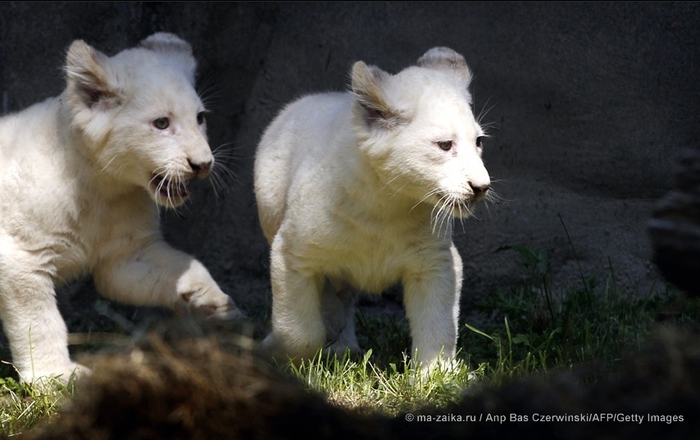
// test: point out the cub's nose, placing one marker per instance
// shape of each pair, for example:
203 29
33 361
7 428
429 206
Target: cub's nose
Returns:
479 190
201 169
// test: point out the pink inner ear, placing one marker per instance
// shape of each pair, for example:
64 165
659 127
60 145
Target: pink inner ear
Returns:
95 92
372 115
384 118
93 95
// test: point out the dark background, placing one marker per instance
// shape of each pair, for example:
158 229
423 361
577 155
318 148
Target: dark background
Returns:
590 104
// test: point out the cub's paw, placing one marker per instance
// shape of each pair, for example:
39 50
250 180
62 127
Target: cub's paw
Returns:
342 348
52 376
211 303
285 349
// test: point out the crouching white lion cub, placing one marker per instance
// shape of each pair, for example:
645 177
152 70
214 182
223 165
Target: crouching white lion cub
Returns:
355 190
78 177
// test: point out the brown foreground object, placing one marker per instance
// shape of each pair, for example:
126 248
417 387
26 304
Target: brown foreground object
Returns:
197 390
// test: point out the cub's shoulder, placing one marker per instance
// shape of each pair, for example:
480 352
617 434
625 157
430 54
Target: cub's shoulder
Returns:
319 109
31 128
319 101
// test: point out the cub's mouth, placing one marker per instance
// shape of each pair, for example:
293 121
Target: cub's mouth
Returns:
458 206
169 192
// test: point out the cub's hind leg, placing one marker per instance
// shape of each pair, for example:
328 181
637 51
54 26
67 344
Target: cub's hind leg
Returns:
338 304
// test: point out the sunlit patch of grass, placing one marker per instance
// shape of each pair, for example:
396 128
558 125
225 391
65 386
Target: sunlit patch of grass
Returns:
369 388
22 405
536 329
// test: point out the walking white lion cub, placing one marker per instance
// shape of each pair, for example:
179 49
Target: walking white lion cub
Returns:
78 177
356 190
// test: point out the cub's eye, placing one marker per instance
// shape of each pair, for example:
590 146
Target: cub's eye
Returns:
445 145
480 141
161 123
200 118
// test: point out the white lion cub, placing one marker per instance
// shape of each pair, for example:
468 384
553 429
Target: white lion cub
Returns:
356 190
78 177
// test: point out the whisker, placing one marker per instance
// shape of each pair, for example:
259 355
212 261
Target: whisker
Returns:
226 147
104 168
433 218
165 181
436 216
210 91
389 182
442 214
222 178
484 110
425 197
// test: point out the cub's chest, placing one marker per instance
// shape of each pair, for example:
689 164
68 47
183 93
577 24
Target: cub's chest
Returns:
372 259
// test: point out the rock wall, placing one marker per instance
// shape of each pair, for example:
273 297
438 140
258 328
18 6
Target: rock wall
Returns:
589 104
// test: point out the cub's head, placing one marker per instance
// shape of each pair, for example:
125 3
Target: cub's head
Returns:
418 129
139 115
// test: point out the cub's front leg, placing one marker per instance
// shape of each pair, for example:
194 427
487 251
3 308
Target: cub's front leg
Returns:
431 299
297 322
158 275
33 325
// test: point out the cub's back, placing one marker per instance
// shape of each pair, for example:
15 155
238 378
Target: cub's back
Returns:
29 131
33 163
304 132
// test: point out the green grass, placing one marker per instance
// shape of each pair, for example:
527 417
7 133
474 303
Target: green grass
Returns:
533 329
368 387
541 329
24 405
536 330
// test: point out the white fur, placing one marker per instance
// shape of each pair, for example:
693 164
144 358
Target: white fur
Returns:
355 191
79 176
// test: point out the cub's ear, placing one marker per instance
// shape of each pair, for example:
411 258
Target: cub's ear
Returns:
87 77
175 49
446 59
167 43
371 100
